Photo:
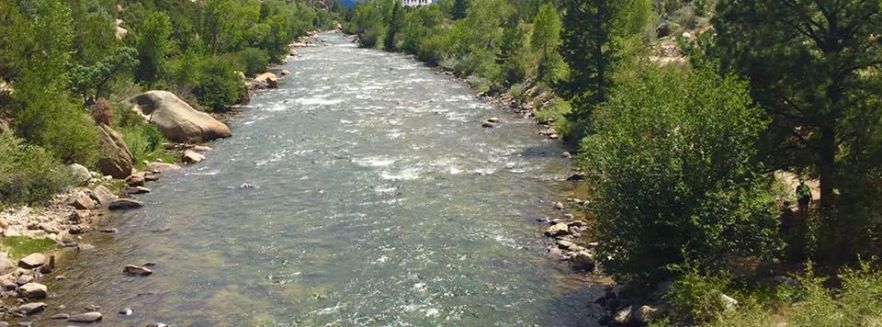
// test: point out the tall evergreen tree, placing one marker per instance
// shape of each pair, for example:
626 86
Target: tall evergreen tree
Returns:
589 50
395 22
546 41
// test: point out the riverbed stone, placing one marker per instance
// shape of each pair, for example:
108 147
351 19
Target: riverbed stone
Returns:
162 167
34 291
265 81
31 308
32 261
191 157
646 314
177 120
126 204
87 317
60 316
24 279
557 230
103 195
137 270
136 180
80 173
583 261
138 190
488 124
81 200
557 206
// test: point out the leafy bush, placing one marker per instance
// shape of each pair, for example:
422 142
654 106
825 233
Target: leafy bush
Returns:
695 297
145 141
217 85
28 173
253 61
673 174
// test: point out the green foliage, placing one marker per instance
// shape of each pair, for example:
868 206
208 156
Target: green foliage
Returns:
145 141
253 60
513 53
28 173
673 176
153 47
460 9
695 297
546 42
395 23
217 85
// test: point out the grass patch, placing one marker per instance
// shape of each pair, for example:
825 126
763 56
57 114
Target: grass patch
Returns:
19 246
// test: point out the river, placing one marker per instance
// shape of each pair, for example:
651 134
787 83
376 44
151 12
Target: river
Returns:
378 200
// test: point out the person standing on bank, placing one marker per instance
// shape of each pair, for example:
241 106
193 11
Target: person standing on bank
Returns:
803 197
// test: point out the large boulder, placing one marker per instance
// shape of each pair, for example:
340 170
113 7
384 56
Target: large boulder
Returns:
103 195
116 159
177 120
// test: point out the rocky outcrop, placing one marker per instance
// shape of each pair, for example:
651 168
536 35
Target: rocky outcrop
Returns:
116 159
177 120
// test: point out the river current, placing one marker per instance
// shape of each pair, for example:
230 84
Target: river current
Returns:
378 200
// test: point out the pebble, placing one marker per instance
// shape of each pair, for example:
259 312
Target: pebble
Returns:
92 307
85 317
558 206
126 311
109 230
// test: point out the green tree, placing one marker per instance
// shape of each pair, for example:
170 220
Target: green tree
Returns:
395 23
546 41
673 174
806 61
153 47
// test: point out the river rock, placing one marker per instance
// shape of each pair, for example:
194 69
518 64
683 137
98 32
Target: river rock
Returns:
557 230
488 124
265 81
31 308
729 303
555 253
60 316
80 173
646 314
566 244
177 120
24 279
126 311
87 317
138 190
35 291
115 158
162 167
566 155
125 204
81 200
136 180
558 206
6 265
493 120
103 195
285 72
32 261
191 157
137 270
583 261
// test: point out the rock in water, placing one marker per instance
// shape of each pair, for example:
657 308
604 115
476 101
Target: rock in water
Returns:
137 270
31 308
192 157
32 261
115 159
557 230
87 317
177 120
35 291
583 261
162 167
59 316
125 204
138 190
81 173
265 81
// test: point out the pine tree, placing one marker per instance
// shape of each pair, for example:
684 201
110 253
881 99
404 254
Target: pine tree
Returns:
395 22
589 50
546 41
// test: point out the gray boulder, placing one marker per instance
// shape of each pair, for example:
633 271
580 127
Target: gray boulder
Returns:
177 120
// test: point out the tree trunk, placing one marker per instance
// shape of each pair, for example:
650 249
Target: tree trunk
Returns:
827 165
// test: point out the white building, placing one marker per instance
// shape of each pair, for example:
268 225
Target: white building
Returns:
417 3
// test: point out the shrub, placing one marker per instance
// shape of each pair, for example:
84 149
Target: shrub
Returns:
217 85
145 141
28 173
253 61
50 120
673 174
695 297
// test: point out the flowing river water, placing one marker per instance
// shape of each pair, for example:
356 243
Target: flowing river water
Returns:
379 201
